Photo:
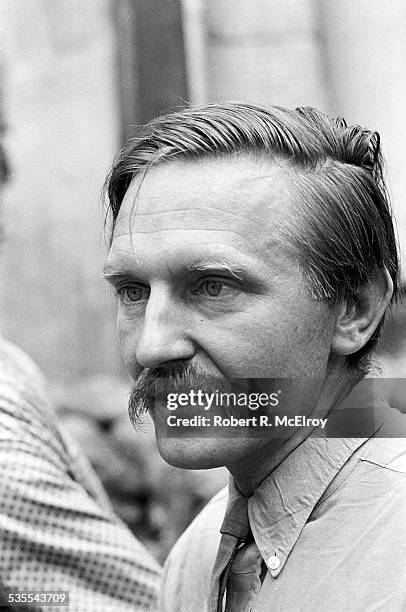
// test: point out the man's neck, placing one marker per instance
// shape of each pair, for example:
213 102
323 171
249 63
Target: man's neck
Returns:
252 469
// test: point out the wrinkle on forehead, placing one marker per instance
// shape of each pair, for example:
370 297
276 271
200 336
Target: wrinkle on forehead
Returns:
238 203
197 220
248 192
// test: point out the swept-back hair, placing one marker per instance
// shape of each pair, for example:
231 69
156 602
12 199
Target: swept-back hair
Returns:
340 226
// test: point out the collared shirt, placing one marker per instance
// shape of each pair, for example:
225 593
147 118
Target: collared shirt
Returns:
329 529
57 529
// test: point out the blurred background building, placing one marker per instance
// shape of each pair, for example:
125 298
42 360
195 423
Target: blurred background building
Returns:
75 77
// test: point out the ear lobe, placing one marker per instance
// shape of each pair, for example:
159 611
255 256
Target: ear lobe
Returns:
359 316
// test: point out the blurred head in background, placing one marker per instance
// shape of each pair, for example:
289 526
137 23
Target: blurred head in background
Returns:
249 243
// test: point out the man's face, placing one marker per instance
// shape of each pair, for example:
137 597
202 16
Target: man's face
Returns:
204 279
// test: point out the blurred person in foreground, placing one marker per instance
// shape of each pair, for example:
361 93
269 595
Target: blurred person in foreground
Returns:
257 245
57 528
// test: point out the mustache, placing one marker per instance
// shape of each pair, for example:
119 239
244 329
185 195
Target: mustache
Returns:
154 384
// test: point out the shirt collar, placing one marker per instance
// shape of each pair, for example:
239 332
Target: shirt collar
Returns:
281 505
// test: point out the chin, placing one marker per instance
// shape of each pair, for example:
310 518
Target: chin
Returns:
192 453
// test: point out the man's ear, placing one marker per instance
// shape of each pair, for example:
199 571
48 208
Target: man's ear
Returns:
359 316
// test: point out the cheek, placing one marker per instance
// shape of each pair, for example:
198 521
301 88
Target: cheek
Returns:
127 339
311 339
240 346
271 343
123 330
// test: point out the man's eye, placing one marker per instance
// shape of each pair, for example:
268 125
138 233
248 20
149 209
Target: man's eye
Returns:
132 293
213 288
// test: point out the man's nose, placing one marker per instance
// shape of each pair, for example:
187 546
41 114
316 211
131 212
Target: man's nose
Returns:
164 336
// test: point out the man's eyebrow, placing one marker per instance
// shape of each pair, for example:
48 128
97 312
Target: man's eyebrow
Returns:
109 274
115 270
120 268
217 266
119 264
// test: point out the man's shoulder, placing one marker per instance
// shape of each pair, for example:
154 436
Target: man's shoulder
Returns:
203 532
376 470
187 570
387 448
14 361
211 515
21 380
53 508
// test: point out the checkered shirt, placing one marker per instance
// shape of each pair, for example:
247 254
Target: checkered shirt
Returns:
57 529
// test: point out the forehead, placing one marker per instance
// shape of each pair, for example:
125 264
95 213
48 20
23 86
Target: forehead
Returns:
190 207
214 193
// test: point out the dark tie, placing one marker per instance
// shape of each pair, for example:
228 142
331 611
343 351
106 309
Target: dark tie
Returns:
237 569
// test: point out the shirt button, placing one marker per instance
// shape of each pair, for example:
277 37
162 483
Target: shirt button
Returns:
273 562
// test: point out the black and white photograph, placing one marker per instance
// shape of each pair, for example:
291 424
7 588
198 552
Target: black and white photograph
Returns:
202 305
